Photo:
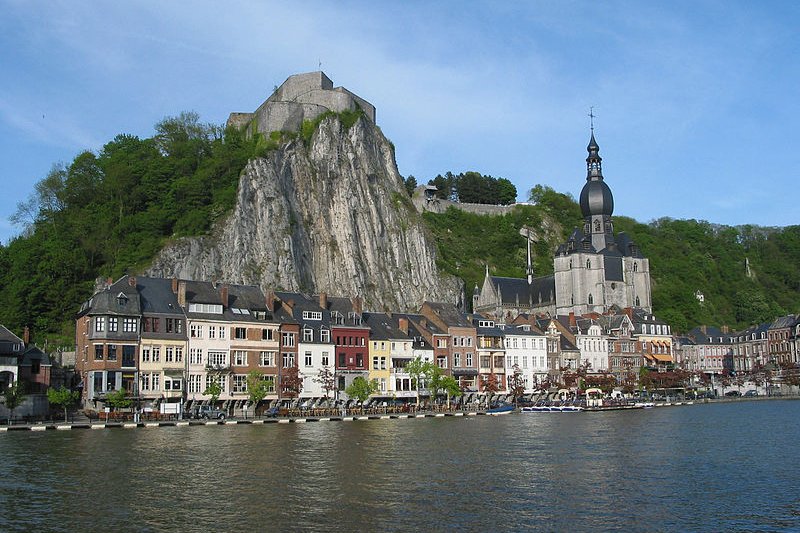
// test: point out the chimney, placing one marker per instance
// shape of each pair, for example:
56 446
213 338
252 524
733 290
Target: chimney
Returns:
132 281
270 301
358 306
26 336
323 300
181 293
109 282
704 329
572 321
424 323
288 306
223 294
403 325
725 329
174 285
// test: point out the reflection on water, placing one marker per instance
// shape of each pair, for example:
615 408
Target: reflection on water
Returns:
699 468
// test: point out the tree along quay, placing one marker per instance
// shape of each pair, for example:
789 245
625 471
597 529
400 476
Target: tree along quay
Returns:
294 416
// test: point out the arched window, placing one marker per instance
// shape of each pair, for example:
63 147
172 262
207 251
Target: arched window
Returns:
570 263
637 302
591 300
588 263
636 267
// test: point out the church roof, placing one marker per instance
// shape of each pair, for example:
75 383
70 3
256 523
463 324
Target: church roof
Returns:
515 291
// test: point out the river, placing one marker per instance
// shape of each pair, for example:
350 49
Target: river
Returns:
714 467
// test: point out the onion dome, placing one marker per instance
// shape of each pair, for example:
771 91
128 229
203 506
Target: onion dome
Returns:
596 197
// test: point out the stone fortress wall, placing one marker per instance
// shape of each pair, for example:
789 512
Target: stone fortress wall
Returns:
424 201
301 97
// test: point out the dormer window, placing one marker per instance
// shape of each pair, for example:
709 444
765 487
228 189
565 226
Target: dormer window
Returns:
312 315
122 299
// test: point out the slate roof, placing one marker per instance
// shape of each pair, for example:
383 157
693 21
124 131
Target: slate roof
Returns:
384 327
108 301
515 291
7 336
157 296
450 315
247 297
787 321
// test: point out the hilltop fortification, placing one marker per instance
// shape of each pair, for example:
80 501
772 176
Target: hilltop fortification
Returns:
327 213
301 97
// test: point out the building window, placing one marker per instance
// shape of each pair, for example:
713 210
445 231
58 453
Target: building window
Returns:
266 334
288 359
240 333
211 379
129 325
239 384
195 331
308 334
178 354
194 383
145 354
100 323
112 352
383 363
312 315
375 362
269 383
325 359
591 299
113 323
307 359
195 356
288 340
98 352
144 381
169 353
221 331
129 355
212 332
240 358
325 335
267 359
217 359
156 354
456 360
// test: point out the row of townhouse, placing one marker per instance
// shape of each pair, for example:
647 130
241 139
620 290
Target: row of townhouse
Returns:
170 339
713 350
23 362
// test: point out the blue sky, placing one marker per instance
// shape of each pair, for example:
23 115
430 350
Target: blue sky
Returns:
696 102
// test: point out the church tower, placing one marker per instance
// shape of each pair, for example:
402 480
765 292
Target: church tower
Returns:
597 202
595 269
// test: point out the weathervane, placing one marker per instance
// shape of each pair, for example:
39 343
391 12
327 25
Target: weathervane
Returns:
591 117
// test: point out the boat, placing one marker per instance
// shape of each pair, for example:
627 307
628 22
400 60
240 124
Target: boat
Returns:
552 408
500 409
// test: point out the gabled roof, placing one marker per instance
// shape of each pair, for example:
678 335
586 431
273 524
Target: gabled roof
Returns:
34 354
7 336
517 291
119 298
787 321
303 303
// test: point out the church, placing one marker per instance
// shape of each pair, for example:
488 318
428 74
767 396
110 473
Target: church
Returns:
592 271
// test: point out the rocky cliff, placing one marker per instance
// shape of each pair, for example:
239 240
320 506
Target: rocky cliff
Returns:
328 215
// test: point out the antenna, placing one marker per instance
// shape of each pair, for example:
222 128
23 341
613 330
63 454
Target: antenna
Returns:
319 64
591 118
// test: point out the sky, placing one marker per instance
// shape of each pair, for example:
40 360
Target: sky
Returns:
696 102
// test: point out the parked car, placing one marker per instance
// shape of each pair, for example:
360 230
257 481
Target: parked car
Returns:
732 393
750 393
272 412
209 412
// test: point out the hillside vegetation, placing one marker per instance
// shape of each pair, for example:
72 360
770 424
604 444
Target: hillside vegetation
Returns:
686 256
110 212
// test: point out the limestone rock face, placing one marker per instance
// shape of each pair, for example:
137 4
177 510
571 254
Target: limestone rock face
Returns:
332 216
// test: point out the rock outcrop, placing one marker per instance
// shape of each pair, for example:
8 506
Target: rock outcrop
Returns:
331 215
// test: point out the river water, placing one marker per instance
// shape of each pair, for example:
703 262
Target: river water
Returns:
714 467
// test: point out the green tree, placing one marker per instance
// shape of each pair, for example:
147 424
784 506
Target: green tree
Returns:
63 397
214 389
119 399
14 396
506 191
411 184
450 386
361 389
419 371
257 387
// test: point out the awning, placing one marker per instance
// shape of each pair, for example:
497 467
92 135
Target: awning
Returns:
662 358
